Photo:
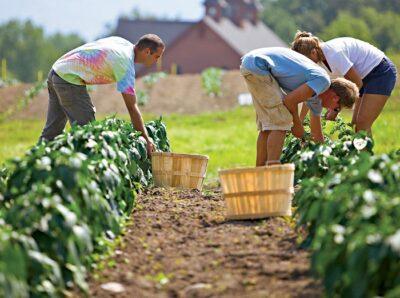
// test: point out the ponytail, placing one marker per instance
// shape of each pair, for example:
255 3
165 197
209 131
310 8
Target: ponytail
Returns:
300 34
304 42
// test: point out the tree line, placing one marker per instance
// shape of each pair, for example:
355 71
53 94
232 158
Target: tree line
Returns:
374 21
27 49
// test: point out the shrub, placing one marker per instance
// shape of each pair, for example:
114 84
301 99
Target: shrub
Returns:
211 79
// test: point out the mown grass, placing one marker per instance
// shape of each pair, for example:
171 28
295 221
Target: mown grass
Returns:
18 136
228 138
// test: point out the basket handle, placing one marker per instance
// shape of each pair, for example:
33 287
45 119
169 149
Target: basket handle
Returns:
178 173
289 191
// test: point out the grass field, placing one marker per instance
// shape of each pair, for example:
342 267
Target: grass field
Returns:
228 138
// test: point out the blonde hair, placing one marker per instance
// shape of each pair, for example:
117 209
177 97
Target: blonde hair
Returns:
346 90
304 42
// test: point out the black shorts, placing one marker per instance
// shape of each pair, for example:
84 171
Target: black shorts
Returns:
381 80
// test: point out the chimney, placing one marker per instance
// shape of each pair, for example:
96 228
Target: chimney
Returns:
213 9
255 8
236 10
239 12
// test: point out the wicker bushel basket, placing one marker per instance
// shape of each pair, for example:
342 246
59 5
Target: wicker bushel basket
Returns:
258 192
179 170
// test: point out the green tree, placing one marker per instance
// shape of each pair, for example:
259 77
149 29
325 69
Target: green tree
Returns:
27 49
347 25
57 45
383 30
333 18
21 44
281 22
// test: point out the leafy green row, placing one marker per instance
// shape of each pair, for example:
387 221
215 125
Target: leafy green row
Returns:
67 197
348 201
352 218
316 160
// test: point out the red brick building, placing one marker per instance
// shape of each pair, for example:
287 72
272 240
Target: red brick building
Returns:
229 29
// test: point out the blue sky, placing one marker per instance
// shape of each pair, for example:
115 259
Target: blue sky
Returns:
89 18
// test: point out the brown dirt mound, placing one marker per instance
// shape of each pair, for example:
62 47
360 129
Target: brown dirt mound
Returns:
179 245
9 95
180 94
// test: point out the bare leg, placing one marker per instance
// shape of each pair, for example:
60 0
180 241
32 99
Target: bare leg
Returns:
304 111
356 111
275 142
370 107
262 148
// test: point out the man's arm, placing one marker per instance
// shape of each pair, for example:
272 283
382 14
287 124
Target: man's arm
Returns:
291 101
352 75
316 128
136 118
304 111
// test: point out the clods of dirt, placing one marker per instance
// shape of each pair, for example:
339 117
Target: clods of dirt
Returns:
180 245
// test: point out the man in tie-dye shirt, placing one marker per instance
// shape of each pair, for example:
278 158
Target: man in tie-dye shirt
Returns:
108 60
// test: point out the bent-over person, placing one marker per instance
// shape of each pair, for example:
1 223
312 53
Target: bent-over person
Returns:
107 60
278 80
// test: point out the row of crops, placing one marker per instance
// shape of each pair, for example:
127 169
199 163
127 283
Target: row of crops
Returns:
65 201
349 204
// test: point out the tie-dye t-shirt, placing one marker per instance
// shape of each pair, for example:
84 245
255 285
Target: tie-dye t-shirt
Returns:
104 61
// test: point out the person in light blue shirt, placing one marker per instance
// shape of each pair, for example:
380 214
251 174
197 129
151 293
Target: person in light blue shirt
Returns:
279 79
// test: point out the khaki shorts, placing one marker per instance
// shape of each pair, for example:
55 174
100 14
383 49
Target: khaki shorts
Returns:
271 113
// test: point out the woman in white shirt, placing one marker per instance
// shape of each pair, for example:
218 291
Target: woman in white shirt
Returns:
359 62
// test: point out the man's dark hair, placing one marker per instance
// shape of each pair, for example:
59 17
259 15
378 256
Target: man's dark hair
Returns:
150 41
346 90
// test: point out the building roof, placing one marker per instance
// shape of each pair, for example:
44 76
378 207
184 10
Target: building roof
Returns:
132 30
246 38
242 39
250 3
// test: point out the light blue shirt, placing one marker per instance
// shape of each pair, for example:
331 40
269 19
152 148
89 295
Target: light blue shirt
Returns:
291 70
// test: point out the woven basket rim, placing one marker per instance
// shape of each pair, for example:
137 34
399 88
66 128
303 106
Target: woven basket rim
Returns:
286 167
172 154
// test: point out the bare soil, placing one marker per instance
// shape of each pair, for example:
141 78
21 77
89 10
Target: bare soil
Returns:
175 94
180 245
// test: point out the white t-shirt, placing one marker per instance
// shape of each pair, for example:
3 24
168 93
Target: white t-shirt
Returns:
345 52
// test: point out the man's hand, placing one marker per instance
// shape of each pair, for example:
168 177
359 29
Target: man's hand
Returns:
331 115
298 130
291 101
137 121
316 129
150 147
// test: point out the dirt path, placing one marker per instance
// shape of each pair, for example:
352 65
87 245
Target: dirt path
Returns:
179 245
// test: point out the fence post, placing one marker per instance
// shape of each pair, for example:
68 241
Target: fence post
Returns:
40 76
159 64
4 69
174 69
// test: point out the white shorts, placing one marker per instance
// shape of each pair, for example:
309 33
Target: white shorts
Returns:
271 113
